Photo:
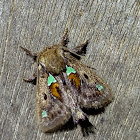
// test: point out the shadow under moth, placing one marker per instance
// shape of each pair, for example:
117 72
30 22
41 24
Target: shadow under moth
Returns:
65 86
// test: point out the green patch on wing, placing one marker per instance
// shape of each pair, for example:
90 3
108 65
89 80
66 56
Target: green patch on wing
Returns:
100 87
50 80
70 70
44 114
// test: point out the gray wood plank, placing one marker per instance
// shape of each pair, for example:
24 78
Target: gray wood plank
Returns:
113 30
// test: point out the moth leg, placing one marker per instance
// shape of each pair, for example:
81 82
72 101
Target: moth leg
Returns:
81 49
87 127
32 78
65 38
33 55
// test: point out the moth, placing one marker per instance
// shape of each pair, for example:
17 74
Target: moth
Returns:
65 85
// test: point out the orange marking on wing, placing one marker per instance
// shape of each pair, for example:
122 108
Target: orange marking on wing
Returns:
98 93
75 80
54 88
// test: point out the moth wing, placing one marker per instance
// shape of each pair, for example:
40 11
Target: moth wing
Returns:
50 112
94 92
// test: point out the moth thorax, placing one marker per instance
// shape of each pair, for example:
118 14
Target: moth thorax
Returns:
53 60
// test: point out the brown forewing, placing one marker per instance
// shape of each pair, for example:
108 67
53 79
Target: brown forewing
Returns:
90 96
57 113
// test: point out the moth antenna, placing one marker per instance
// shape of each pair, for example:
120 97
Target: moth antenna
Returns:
73 53
81 49
28 52
65 38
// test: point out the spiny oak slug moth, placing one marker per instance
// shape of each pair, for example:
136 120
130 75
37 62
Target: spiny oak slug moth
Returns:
65 85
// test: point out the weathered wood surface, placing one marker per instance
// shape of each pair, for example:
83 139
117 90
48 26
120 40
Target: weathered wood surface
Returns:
113 30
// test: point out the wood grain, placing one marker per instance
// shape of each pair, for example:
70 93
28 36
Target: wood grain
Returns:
113 30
